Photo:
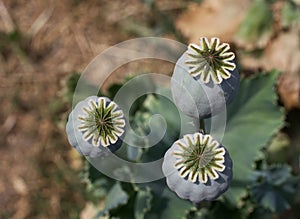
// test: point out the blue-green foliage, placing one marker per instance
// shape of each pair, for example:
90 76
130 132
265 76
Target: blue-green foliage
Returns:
290 14
274 188
253 119
258 21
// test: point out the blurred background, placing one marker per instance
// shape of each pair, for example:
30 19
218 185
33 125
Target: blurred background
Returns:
43 44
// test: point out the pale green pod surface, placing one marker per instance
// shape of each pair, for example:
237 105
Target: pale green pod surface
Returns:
96 126
197 168
205 79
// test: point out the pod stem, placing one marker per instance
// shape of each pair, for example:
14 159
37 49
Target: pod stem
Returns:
202 126
199 124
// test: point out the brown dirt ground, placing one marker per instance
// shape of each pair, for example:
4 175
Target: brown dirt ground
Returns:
39 170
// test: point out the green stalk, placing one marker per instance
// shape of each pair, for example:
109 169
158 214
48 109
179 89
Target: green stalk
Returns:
199 125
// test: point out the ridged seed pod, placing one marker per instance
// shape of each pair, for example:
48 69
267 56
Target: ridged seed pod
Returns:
205 79
95 126
197 168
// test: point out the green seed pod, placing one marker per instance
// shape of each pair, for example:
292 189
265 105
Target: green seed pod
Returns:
95 126
205 79
197 168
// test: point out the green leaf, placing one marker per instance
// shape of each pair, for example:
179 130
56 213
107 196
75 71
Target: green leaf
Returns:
166 204
140 126
141 84
168 111
91 172
257 23
219 209
278 149
202 213
177 123
142 203
99 188
252 119
290 14
276 188
97 184
162 104
175 207
260 213
115 198
113 89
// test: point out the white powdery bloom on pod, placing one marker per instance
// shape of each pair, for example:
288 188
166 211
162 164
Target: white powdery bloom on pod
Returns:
95 126
197 168
205 79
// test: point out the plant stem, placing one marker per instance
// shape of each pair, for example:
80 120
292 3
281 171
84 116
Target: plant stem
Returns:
199 124
202 126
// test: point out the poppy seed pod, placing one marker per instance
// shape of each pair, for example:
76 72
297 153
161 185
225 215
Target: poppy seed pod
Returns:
96 126
197 168
205 79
